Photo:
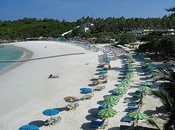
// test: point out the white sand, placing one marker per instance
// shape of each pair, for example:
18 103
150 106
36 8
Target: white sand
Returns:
26 90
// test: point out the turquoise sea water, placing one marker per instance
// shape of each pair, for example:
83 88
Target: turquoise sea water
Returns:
9 53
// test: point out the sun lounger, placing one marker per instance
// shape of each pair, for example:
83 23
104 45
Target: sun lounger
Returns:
72 106
133 103
131 109
138 91
98 88
126 118
102 107
98 124
52 121
87 96
102 81
136 97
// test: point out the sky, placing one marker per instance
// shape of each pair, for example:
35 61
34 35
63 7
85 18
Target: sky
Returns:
71 10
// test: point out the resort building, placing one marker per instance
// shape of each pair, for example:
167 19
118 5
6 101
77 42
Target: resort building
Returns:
140 32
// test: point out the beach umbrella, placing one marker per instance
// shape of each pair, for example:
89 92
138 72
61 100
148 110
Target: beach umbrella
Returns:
147 83
128 76
138 115
51 112
131 70
71 99
111 98
103 72
126 81
124 85
119 91
85 90
107 113
29 127
131 67
109 103
107 59
144 88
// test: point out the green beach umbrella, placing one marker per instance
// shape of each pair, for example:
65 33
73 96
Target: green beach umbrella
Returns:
124 85
146 83
131 70
125 81
109 103
111 98
128 76
107 113
119 91
144 88
131 67
138 115
130 73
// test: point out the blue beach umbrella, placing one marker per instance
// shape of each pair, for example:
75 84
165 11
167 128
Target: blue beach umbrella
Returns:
29 127
51 112
103 72
85 90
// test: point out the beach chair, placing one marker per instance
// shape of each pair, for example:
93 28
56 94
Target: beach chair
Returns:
98 88
133 103
131 109
126 118
76 105
138 91
102 107
72 106
136 97
52 121
98 124
87 97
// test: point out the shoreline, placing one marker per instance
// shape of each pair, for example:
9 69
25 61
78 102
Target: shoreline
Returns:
26 90
27 54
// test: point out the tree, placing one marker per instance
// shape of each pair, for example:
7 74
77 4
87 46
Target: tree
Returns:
127 38
166 93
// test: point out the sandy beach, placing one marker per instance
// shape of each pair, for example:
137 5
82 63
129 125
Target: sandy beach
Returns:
26 90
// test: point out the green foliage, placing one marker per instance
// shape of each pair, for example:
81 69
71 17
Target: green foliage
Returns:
166 93
31 27
104 37
160 45
127 38
109 28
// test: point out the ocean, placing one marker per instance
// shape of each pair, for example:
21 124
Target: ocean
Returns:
9 53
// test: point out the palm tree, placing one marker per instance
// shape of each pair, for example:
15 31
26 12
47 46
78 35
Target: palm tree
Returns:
166 92
153 123
167 75
171 10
